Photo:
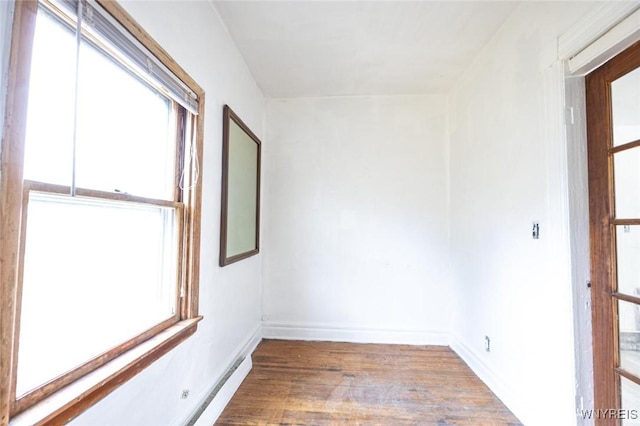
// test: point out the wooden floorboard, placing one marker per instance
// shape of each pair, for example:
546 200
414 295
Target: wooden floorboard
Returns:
327 383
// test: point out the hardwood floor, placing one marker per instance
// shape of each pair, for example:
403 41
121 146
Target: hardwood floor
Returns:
326 383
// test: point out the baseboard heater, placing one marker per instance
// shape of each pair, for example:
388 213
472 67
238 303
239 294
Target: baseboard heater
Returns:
211 408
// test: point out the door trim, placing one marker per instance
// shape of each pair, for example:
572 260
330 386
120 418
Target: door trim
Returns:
602 225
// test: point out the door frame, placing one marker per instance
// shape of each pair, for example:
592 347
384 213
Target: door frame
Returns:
599 36
602 226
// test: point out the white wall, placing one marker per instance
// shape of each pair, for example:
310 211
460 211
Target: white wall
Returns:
355 203
229 297
507 170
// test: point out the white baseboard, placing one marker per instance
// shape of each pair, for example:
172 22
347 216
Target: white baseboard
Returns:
219 396
224 395
334 333
489 377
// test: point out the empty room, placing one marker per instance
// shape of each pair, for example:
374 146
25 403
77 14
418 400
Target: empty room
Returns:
365 212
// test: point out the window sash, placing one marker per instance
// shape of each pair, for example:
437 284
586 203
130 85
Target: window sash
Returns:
87 157
20 403
97 194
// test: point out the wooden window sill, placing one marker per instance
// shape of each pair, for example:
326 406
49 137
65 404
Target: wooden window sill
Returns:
70 401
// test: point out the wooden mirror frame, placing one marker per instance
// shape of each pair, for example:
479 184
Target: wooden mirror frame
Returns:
231 212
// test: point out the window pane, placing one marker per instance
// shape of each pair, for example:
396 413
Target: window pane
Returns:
628 258
629 329
126 140
625 102
96 273
49 134
630 393
627 183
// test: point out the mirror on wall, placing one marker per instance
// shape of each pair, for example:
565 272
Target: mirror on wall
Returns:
240 218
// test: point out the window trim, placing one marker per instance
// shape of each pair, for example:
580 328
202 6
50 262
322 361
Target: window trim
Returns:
71 400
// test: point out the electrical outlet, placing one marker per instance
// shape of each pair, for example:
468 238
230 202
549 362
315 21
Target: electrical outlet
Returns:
487 344
185 394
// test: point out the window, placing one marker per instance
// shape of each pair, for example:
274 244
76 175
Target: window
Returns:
100 203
